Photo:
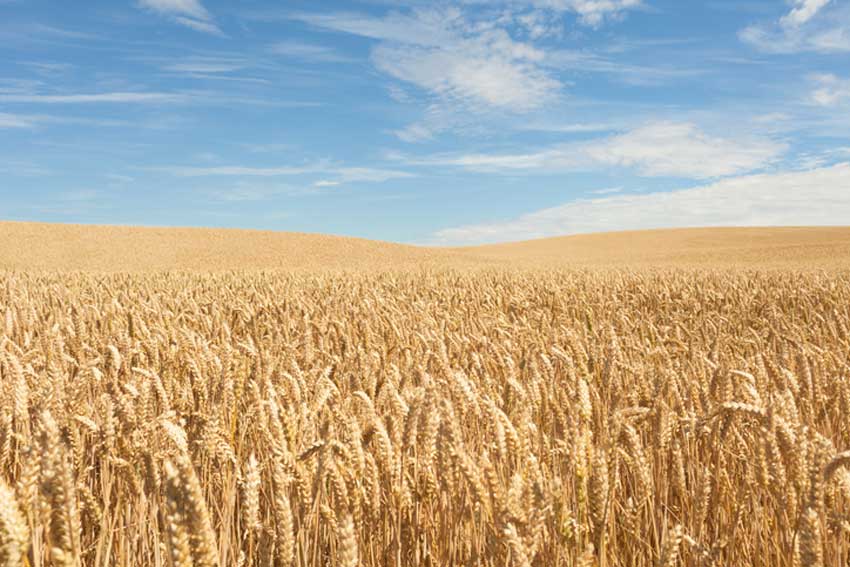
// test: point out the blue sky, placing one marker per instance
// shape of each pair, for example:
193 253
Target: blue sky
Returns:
426 122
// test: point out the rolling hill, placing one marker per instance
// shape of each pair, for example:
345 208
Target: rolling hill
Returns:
65 247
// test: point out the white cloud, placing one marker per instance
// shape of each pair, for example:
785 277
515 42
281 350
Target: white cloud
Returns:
475 64
79 195
190 13
453 58
575 128
119 178
582 61
199 25
830 90
661 149
195 96
811 25
419 28
803 11
815 197
341 174
48 69
207 65
23 168
368 174
591 12
607 191
682 150
15 121
249 193
416 132
188 8
29 121
117 97
236 170
471 71
308 52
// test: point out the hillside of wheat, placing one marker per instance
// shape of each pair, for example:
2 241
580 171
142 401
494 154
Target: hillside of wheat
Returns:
66 247
215 398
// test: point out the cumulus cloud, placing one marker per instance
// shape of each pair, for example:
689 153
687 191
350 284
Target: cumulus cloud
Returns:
815 197
189 13
661 149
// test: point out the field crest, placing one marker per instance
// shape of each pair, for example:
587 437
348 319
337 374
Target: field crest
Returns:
57 247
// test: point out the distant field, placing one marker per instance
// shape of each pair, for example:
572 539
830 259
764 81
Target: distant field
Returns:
34 246
296 400
821 247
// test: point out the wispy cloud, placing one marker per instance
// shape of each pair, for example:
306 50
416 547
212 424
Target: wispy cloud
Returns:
207 97
48 69
119 178
31 121
79 195
607 191
485 63
114 97
16 121
310 52
369 174
682 150
568 128
189 13
340 174
235 170
251 192
815 197
583 61
41 33
591 12
19 86
207 65
830 90
444 53
810 25
661 149
23 168
802 12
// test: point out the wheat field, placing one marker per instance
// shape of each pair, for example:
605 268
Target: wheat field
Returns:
675 398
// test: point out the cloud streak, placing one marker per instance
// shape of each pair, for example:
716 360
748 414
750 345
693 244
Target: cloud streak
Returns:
8 121
189 13
815 197
114 97
340 174
311 52
661 149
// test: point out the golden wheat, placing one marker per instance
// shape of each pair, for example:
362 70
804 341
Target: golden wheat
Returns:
429 417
